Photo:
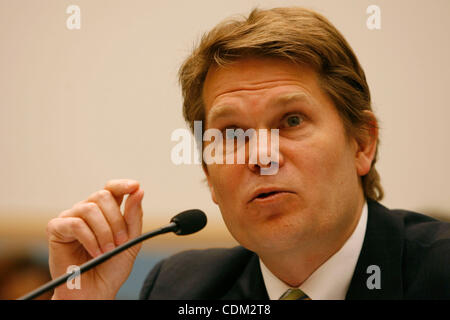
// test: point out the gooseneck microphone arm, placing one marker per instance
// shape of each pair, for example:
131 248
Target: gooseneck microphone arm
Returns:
184 223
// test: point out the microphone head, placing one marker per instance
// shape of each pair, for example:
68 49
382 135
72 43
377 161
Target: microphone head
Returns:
189 221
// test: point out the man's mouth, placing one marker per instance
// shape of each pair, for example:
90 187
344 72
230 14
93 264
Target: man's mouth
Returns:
267 194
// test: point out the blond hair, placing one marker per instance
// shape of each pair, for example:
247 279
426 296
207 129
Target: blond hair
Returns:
301 36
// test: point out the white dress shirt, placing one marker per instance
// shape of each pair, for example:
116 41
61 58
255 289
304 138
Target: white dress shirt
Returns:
332 279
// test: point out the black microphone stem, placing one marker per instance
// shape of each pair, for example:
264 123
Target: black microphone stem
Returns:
96 261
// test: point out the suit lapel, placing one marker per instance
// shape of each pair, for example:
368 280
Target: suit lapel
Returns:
381 256
250 285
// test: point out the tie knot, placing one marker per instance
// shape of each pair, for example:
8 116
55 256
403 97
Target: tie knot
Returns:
294 294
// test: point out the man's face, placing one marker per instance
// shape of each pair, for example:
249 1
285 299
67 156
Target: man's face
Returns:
315 196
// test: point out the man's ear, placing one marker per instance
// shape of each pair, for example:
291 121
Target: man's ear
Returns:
367 145
211 188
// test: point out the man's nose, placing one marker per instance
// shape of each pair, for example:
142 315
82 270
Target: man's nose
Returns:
264 156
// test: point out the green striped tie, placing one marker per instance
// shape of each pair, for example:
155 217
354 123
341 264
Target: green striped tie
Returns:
294 294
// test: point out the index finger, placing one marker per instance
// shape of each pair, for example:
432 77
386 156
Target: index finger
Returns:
121 187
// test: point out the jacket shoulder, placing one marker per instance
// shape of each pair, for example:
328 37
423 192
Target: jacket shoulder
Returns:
196 274
426 256
412 251
415 227
422 228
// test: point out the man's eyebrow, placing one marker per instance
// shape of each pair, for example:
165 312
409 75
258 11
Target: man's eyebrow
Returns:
220 111
293 97
227 110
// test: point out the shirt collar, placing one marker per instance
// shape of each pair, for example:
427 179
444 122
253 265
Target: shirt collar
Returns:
332 279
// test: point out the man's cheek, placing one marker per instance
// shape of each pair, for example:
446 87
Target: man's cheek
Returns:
221 193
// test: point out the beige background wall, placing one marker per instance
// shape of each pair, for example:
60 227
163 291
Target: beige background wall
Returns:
80 107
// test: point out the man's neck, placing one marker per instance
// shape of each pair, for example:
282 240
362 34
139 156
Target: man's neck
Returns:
294 267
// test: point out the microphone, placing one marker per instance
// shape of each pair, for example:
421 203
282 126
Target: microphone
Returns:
184 223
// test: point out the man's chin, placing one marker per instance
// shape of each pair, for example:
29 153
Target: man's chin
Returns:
270 215
273 236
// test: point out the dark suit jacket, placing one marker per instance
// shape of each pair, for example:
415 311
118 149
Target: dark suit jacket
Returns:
412 251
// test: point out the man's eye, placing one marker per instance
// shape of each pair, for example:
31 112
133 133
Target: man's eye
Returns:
233 132
229 133
292 120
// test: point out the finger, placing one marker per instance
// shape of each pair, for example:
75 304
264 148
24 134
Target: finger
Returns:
121 187
91 214
69 229
105 201
133 213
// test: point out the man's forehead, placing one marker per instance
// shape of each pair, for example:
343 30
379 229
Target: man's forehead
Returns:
251 74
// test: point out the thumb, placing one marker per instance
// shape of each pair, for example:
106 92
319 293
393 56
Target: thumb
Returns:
133 213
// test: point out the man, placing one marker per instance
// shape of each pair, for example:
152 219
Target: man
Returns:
316 224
